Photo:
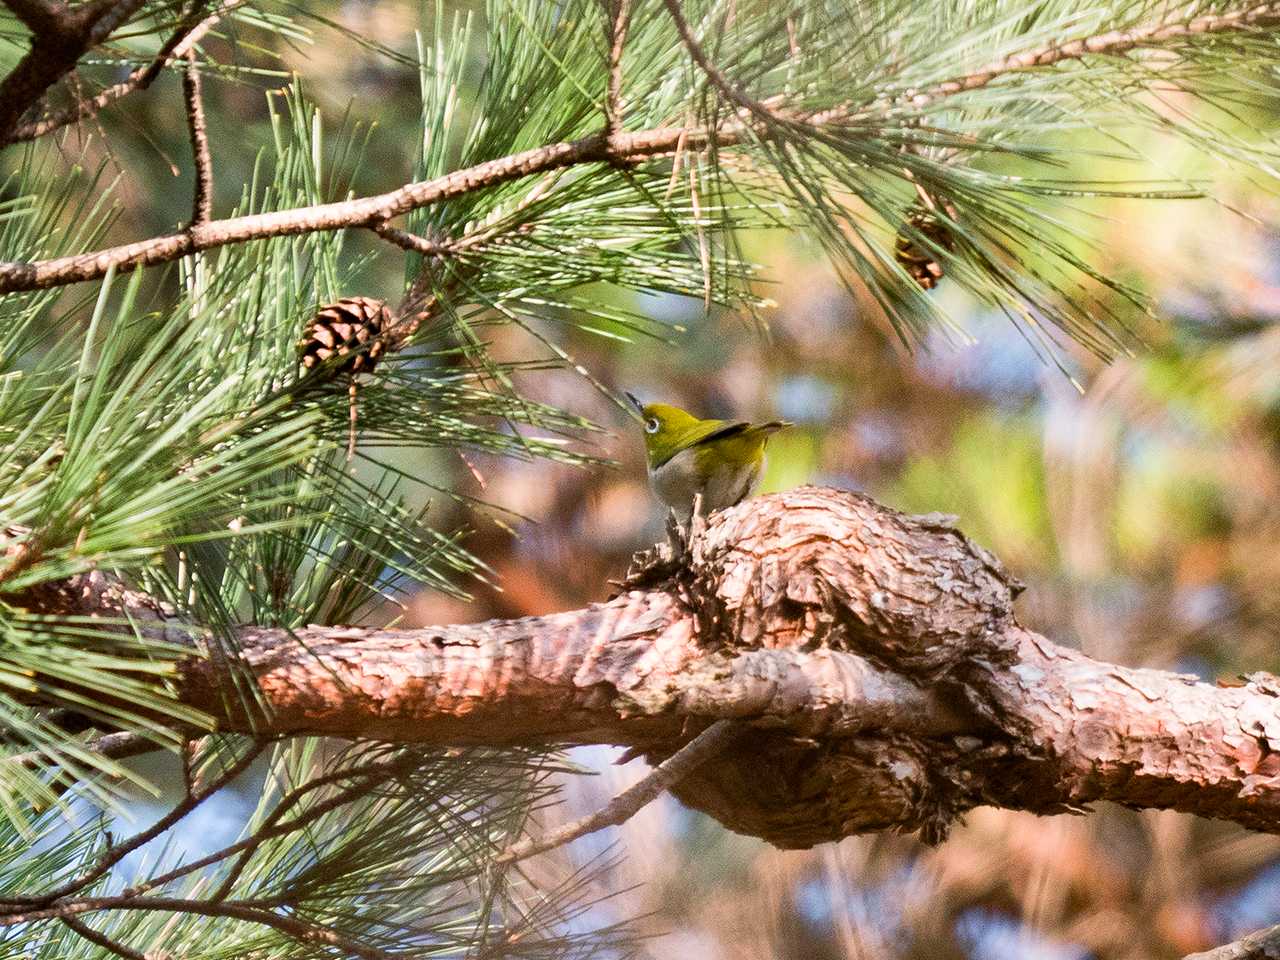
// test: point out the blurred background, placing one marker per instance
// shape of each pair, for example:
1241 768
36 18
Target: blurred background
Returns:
1142 510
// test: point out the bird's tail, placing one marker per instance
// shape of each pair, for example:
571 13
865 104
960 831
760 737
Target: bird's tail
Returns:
773 426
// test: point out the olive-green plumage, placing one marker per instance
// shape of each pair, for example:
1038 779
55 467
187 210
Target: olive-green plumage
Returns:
720 459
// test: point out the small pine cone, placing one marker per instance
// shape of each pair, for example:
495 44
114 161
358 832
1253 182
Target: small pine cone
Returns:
916 259
355 328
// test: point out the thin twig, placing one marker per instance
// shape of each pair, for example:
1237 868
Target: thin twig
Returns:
629 802
727 88
1260 945
621 148
704 248
258 910
119 851
619 18
184 39
290 926
188 774
193 97
102 940
1113 43
675 169
112 746
99 19
353 388
122 745
371 776
485 232
410 241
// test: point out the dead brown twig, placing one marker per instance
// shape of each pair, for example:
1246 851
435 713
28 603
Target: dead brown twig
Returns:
619 18
632 800
202 201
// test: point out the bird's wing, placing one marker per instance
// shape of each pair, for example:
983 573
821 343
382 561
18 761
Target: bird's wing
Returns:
708 430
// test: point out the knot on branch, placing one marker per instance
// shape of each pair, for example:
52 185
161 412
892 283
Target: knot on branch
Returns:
817 567
796 793
99 594
873 601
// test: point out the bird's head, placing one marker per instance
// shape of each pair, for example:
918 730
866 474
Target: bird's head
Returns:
666 429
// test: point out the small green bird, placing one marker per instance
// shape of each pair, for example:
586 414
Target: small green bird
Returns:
720 459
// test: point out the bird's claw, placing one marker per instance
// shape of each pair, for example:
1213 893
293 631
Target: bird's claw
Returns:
663 560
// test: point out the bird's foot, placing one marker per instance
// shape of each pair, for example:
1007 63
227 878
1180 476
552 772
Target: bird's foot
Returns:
664 560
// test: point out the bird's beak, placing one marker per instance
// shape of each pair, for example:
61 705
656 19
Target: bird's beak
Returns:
634 402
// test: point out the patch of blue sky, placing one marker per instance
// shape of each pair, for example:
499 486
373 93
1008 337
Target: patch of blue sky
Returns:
989 935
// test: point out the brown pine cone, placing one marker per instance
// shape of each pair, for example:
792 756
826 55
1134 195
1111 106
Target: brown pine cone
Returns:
917 259
353 327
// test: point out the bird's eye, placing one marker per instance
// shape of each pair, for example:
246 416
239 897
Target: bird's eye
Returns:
651 425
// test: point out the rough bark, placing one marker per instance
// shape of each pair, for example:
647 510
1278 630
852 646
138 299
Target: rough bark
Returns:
1263 945
60 37
876 655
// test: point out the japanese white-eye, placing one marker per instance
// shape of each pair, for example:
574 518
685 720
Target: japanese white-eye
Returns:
720 459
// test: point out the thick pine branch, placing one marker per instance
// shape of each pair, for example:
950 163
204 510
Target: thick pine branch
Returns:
60 37
876 655
863 669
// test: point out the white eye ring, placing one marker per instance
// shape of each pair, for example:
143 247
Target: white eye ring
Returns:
651 425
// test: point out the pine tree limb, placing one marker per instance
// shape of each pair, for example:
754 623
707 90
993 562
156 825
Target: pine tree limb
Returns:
621 148
183 40
62 35
876 657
